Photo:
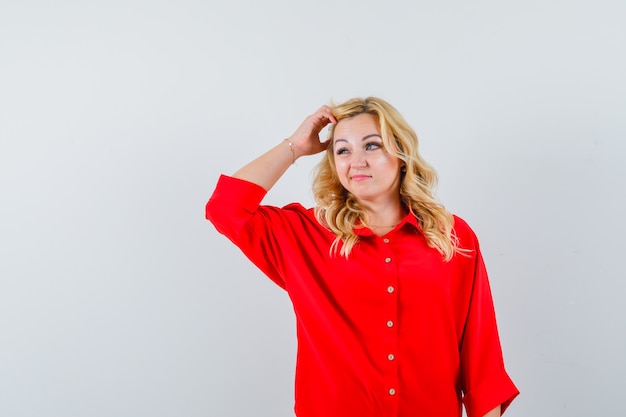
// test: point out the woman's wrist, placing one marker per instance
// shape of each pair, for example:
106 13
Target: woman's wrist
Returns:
292 148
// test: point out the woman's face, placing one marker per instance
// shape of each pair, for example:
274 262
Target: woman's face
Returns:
363 166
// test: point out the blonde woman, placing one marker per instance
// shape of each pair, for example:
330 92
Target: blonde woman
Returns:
392 301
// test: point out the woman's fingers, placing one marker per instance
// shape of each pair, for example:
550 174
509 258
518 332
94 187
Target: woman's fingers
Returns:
306 137
322 118
328 113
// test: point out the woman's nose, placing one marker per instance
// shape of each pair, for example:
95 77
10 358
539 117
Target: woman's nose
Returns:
358 160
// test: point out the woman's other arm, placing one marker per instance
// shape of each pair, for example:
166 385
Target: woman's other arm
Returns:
269 167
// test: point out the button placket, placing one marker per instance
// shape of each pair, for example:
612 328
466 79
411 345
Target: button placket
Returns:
391 312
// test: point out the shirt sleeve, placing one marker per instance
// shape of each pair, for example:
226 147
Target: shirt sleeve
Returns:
484 379
235 211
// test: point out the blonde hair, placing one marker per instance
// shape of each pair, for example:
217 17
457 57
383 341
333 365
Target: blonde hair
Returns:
340 211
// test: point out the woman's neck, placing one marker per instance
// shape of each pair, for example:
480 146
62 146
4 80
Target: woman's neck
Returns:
383 219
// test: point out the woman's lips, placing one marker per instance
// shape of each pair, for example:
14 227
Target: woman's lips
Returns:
360 177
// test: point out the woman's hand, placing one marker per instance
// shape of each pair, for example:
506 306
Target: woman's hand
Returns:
269 167
306 138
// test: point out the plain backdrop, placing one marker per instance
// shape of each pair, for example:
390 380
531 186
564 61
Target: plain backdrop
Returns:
118 299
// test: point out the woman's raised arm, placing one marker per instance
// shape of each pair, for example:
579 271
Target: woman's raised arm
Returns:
269 167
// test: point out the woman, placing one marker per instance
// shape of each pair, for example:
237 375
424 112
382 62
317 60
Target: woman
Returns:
392 301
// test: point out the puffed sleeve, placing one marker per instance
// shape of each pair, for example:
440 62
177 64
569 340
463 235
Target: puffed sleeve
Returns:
234 210
267 235
485 381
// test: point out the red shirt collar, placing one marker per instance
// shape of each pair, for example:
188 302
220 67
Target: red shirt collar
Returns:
409 219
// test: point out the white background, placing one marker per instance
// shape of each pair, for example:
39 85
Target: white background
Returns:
118 299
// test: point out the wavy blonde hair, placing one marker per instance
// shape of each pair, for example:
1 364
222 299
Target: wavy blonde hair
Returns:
340 211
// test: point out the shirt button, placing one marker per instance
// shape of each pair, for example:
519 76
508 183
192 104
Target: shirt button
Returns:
390 323
387 260
391 356
386 240
392 391
390 289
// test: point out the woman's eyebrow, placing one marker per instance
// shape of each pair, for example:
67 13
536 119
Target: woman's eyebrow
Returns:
364 137
371 136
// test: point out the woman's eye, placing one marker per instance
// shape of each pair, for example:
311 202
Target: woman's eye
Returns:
372 146
342 151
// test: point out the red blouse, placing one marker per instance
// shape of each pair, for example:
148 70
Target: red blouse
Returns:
391 331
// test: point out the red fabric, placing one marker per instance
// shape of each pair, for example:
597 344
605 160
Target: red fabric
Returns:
393 296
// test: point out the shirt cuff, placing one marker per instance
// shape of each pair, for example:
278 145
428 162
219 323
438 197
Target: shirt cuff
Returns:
484 398
239 193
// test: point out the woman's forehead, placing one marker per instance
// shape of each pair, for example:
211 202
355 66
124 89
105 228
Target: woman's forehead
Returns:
357 127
